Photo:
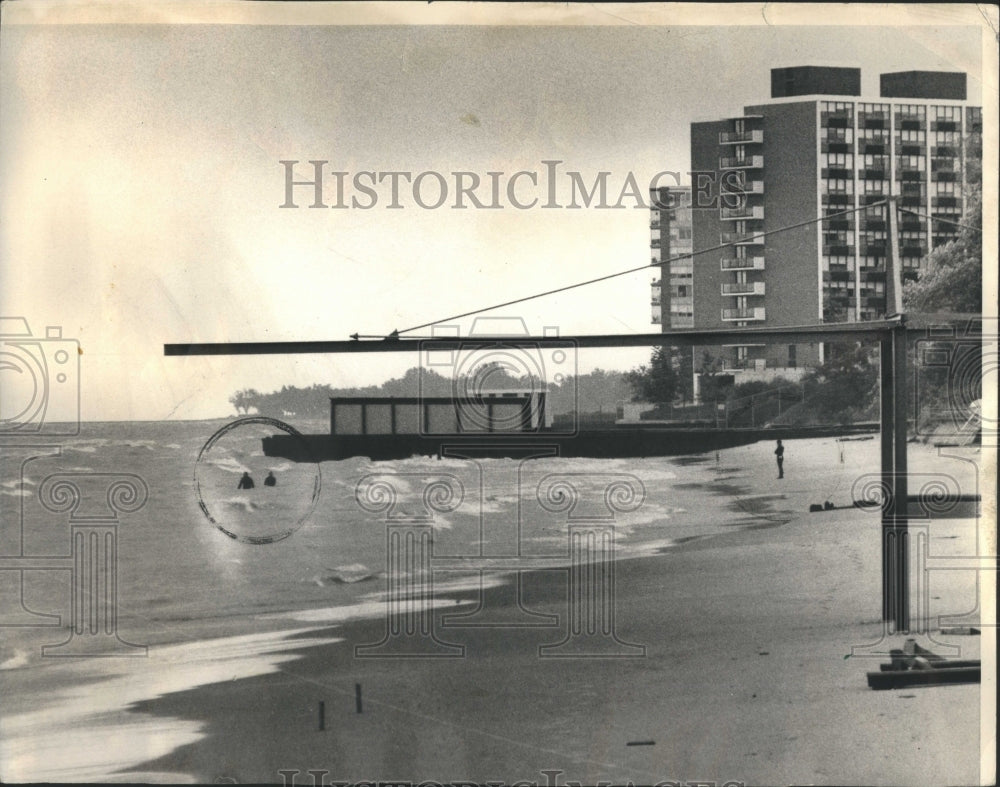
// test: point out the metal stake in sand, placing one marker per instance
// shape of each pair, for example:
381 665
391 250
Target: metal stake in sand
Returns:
357 697
322 715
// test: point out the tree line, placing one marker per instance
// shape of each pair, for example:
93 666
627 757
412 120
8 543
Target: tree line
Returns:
844 389
598 392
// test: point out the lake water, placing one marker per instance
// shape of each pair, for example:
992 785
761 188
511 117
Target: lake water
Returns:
211 577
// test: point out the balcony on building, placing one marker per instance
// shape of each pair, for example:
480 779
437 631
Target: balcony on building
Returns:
875 169
735 137
908 120
838 273
760 365
873 120
877 249
742 288
945 151
915 251
839 118
741 162
946 202
945 164
742 212
654 222
750 313
838 223
656 316
837 173
946 125
838 198
742 238
738 183
742 263
836 146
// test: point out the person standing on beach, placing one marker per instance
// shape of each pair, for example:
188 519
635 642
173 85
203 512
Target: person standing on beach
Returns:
779 454
270 480
246 482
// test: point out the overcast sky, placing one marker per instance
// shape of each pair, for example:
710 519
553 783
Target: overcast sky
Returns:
142 183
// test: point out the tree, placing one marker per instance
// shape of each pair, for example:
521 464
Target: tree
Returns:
245 399
844 387
952 275
655 382
713 384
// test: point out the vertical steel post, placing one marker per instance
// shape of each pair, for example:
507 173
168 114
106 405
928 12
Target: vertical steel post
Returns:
901 540
888 414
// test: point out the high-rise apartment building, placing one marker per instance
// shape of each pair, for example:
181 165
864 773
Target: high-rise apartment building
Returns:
670 241
820 149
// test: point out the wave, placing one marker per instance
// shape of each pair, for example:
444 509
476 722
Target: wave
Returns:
229 464
346 575
245 503
19 659
68 742
371 609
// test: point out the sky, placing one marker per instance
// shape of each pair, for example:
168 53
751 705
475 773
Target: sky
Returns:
142 183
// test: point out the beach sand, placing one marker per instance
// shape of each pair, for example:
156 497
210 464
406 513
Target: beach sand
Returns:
753 671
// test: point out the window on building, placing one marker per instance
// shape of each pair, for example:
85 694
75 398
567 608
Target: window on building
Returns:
911 136
843 135
837 160
838 186
918 163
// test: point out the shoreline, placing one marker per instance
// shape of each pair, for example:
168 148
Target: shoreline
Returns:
714 614
709 662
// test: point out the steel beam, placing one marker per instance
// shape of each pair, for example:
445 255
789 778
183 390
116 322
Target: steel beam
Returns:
683 338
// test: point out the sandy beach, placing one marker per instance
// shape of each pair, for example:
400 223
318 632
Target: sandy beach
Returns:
754 666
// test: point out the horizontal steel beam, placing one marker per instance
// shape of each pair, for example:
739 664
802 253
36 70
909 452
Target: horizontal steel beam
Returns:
873 331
